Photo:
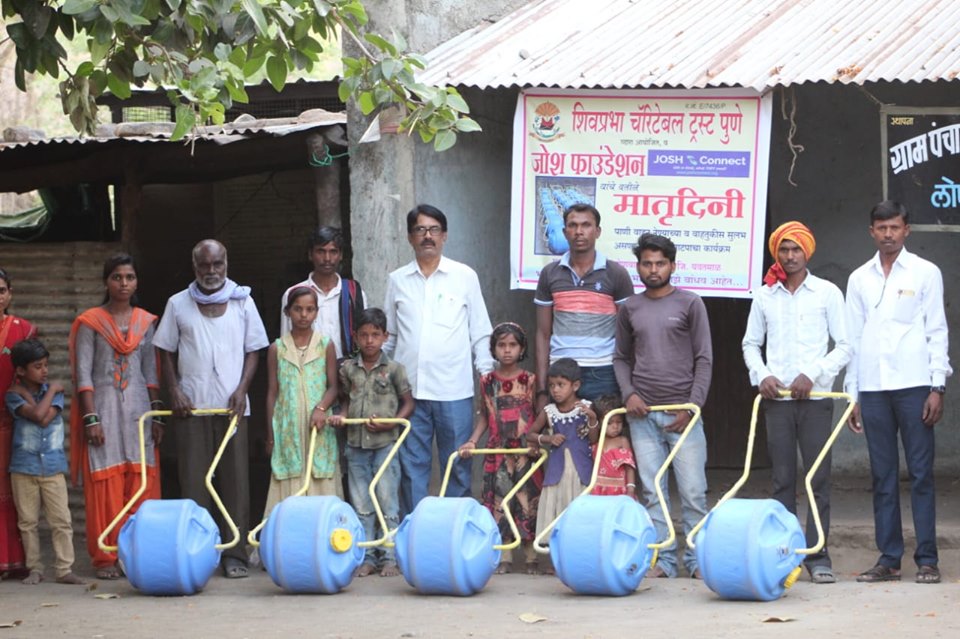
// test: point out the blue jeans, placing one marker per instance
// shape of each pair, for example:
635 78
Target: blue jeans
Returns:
452 423
362 465
651 445
884 413
596 381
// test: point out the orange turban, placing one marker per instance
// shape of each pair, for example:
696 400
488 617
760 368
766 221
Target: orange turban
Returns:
796 232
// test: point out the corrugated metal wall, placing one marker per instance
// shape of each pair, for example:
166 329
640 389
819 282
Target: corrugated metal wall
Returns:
52 283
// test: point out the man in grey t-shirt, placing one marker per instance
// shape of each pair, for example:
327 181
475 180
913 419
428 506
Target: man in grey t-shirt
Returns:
664 356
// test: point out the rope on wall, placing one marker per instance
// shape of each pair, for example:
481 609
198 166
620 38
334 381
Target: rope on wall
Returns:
788 111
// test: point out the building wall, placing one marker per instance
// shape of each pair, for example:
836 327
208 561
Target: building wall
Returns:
838 181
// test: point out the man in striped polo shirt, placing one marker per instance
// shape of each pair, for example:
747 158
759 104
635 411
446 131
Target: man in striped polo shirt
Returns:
577 298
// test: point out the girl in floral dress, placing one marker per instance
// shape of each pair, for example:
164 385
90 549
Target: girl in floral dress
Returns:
505 414
617 474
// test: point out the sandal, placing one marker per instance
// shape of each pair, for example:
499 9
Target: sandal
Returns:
879 573
233 568
109 573
822 575
928 574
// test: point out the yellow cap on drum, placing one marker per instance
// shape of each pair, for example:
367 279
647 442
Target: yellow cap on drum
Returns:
341 540
792 577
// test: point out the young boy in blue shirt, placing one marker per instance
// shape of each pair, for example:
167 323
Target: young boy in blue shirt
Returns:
37 461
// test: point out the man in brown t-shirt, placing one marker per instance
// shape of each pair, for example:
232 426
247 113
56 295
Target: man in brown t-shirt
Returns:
664 356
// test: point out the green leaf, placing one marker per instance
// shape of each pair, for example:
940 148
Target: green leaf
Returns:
457 102
19 76
344 92
237 92
98 50
356 10
322 8
19 34
85 69
141 68
277 72
173 4
444 140
252 65
222 51
98 82
389 68
254 10
38 21
74 7
238 57
467 125
381 43
366 103
118 87
185 118
110 13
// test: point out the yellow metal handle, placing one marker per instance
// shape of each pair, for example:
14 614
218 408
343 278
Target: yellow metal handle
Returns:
812 505
748 458
311 449
505 502
387 533
101 540
672 535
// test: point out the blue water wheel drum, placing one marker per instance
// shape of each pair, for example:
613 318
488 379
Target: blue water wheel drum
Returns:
600 545
169 547
310 544
746 549
445 546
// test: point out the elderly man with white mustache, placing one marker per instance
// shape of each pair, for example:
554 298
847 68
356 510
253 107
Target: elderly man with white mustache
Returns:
208 340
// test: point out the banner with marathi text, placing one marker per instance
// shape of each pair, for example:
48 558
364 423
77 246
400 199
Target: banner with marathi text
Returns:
687 164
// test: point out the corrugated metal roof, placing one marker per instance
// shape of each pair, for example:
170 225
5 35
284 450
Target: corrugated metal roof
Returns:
241 129
703 43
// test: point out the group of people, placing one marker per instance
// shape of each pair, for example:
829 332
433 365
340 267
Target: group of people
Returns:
339 365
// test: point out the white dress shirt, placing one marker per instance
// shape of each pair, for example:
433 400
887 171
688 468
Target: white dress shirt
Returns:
434 323
797 328
328 311
210 350
897 326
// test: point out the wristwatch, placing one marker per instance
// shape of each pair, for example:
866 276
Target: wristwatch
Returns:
938 389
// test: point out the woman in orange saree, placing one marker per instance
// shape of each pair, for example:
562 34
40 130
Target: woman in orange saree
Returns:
115 381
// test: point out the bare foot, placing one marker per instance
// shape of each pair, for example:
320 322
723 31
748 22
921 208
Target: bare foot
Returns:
504 568
532 568
389 570
549 570
33 578
70 579
366 570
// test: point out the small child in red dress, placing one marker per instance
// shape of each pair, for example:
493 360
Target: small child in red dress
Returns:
618 470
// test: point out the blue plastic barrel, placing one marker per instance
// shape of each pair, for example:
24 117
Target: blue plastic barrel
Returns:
445 546
600 545
309 544
556 241
746 549
169 547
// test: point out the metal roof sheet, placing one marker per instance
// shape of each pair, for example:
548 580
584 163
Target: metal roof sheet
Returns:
704 43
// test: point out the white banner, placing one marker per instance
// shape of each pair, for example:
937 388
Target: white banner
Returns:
688 164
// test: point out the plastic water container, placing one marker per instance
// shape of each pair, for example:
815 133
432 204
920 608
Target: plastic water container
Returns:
556 241
600 545
746 549
169 547
309 544
445 546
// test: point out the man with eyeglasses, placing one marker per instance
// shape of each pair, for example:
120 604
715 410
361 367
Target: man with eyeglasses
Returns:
898 333
435 317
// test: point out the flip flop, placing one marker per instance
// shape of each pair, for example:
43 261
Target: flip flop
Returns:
879 573
234 569
109 573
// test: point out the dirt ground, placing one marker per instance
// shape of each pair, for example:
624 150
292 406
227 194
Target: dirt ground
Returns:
388 607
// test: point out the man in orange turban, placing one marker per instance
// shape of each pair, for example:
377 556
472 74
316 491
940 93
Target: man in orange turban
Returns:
796 316
795 232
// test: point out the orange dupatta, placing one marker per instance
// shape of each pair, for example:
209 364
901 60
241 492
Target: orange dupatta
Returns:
101 321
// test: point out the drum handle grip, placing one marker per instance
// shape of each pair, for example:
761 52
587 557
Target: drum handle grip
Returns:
505 502
101 540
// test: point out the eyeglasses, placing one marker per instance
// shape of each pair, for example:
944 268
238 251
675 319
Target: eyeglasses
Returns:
420 231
